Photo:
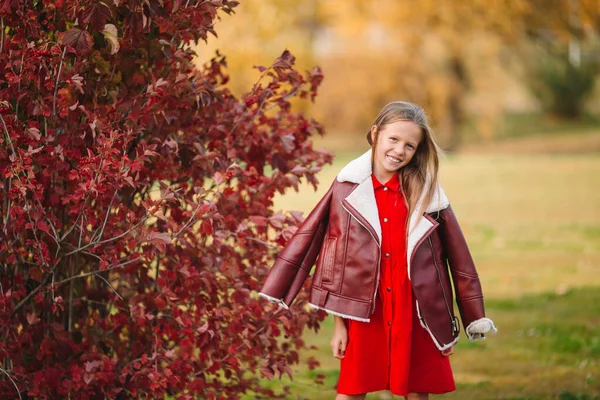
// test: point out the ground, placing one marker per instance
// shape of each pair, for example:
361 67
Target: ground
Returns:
531 215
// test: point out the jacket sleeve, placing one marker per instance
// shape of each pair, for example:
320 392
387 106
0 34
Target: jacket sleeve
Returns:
469 295
295 261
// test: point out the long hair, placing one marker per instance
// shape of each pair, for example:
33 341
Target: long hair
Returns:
419 177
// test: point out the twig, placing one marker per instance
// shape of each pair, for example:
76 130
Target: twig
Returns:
71 289
97 272
27 178
109 285
19 87
13 382
105 218
254 334
108 240
30 295
2 41
105 304
76 220
92 254
267 244
189 221
254 88
80 234
8 135
7 200
288 96
57 79
34 230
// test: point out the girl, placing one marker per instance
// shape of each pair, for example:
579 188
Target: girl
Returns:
388 247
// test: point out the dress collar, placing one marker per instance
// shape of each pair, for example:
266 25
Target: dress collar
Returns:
392 184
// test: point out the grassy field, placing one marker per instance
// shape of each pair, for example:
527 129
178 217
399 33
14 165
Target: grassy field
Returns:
533 223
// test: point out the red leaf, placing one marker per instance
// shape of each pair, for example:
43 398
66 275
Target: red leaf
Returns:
285 60
277 220
219 178
32 318
258 220
206 227
88 378
96 15
160 236
267 373
288 143
80 40
160 303
203 328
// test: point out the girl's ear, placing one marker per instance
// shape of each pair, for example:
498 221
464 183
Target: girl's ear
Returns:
374 134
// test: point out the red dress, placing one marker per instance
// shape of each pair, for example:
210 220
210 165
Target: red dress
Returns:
392 351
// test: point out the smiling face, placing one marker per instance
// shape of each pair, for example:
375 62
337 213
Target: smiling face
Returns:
395 146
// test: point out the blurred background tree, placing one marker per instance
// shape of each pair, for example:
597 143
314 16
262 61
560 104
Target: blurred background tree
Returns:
565 54
469 63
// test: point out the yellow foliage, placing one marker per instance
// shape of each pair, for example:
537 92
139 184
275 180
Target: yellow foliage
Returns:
449 56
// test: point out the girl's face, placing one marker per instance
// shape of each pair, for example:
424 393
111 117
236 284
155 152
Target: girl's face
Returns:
395 146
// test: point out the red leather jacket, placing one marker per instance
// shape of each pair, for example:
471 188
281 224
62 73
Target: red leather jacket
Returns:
343 234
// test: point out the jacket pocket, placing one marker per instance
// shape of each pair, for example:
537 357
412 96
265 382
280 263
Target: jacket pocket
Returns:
329 260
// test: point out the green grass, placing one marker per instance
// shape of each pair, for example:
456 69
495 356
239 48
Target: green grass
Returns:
533 225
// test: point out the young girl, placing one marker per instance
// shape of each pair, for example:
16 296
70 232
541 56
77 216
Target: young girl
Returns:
389 248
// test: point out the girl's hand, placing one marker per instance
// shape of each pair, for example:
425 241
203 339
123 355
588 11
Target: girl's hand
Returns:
339 341
448 352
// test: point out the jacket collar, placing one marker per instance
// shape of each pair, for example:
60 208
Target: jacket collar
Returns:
362 199
393 184
360 169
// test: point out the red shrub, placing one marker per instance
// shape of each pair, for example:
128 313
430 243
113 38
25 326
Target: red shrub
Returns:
136 211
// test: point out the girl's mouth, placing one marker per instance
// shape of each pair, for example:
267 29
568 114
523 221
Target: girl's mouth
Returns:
393 159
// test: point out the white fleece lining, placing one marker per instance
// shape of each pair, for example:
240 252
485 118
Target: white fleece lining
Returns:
422 227
441 348
274 300
363 200
340 314
477 328
356 170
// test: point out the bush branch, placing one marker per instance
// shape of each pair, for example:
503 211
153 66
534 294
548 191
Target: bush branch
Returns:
62 58
99 271
94 243
9 377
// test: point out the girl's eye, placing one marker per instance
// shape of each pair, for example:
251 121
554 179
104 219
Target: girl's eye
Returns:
410 146
394 139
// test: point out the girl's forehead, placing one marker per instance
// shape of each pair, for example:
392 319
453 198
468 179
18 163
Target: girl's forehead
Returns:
403 128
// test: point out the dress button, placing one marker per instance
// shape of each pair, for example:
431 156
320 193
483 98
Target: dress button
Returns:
385 220
389 289
389 323
387 255
385 188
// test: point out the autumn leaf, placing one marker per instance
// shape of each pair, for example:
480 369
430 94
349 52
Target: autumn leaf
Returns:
80 40
287 142
32 318
95 195
160 236
111 35
285 60
96 15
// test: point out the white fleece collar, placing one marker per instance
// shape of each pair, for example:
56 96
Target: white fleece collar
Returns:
359 169
362 198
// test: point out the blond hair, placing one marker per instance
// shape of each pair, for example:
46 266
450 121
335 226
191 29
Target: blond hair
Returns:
419 178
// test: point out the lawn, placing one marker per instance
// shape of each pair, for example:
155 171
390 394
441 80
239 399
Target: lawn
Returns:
533 223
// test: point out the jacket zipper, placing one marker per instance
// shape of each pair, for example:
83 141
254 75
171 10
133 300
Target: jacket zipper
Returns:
453 321
378 255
